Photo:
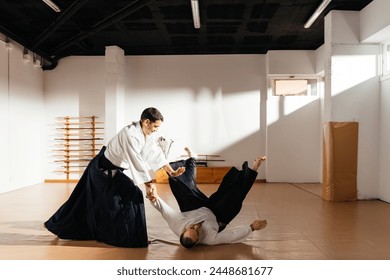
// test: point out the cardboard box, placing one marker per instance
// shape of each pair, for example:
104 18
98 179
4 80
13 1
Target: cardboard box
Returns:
340 155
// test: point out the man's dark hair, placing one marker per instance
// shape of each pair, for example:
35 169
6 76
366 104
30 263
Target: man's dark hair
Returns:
186 242
152 114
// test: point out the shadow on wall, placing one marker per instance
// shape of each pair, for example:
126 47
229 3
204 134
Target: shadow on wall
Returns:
247 149
294 139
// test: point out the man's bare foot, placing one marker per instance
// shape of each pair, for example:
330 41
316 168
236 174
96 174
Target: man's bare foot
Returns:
257 162
190 152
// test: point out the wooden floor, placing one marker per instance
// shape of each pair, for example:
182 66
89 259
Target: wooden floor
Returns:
301 226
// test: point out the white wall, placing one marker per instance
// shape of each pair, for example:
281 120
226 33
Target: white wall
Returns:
320 60
375 22
293 124
207 104
384 156
293 139
292 62
76 87
4 119
211 103
375 28
215 104
21 120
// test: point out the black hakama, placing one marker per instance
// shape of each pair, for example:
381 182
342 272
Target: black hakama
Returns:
105 208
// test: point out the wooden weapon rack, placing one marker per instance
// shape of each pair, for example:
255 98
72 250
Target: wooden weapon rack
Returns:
203 160
77 141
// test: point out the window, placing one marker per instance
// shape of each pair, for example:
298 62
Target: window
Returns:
294 86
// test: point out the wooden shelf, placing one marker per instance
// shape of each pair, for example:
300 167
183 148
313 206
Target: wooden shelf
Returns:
73 160
78 139
75 151
69 171
76 118
62 144
77 143
77 123
86 133
78 128
74 155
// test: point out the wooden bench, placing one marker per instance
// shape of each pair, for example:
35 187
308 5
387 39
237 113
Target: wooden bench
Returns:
204 175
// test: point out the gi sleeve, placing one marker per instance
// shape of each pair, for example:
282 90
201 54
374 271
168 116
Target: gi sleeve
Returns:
154 155
236 235
173 218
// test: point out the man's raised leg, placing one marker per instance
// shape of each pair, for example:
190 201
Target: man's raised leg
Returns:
184 187
227 201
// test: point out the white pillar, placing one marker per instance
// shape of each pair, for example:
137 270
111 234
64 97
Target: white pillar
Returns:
4 121
327 101
352 91
115 91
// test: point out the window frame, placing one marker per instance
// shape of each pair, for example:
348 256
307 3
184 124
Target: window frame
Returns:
272 78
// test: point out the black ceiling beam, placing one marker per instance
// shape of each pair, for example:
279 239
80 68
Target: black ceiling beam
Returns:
20 41
126 11
75 7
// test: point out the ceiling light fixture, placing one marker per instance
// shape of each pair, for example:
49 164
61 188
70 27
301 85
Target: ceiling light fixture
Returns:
195 13
26 55
316 13
37 63
8 44
52 5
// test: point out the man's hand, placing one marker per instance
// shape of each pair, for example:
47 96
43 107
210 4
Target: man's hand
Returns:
178 172
258 225
151 191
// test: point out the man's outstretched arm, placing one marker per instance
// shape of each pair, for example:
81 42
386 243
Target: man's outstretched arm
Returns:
235 235
170 215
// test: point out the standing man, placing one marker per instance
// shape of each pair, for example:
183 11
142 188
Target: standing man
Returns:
135 149
107 205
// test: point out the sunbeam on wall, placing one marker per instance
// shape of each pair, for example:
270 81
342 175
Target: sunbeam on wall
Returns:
214 120
350 70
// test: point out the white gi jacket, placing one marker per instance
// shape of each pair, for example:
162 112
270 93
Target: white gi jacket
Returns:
177 221
131 150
